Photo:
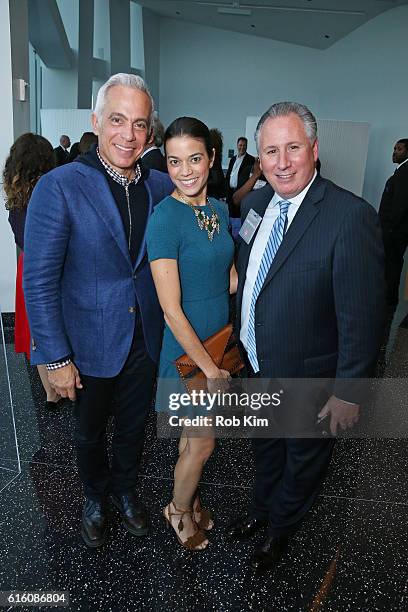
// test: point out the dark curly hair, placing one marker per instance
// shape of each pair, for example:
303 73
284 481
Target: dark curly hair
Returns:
30 157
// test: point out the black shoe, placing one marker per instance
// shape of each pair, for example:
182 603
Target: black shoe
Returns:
244 527
94 523
134 514
268 554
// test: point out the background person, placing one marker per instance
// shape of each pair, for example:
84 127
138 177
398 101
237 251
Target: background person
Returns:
255 181
152 157
217 184
30 157
239 170
393 214
61 152
191 254
88 140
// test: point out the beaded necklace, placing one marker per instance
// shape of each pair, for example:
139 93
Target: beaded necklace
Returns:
205 222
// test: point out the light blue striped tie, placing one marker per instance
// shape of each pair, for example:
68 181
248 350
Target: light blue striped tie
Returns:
272 246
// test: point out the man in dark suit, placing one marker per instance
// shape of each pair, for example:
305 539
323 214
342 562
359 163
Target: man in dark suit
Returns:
94 315
152 157
239 171
61 152
394 222
309 305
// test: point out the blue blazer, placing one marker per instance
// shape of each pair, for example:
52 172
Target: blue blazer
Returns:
320 312
80 286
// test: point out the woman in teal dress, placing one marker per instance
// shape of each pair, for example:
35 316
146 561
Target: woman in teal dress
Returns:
191 256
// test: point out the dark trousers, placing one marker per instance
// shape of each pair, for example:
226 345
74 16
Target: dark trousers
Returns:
394 261
288 476
127 397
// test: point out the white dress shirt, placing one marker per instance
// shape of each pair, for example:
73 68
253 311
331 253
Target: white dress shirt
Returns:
404 162
258 248
234 172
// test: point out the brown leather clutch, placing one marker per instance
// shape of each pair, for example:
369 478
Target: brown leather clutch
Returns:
222 348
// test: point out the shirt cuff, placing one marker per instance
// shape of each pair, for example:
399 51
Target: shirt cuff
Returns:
56 365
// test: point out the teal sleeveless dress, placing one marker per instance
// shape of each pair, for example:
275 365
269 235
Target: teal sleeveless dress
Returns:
204 268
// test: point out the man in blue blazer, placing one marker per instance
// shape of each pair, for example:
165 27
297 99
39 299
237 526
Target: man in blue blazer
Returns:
310 304
94 315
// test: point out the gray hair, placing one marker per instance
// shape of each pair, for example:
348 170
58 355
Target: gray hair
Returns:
126 80
283 109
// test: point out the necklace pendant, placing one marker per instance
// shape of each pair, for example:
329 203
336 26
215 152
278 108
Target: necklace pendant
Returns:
204 222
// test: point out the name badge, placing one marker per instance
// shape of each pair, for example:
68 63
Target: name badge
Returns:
249 226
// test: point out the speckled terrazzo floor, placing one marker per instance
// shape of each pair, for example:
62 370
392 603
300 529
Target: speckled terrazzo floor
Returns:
356 531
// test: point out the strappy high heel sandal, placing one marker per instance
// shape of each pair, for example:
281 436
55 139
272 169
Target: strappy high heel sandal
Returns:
192 542
206 519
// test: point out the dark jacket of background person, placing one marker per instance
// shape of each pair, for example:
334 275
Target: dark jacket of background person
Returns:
74 152
152 156
394 206
85 303
17 219
217 185
244 173
30 157
155 160
61 156
394 223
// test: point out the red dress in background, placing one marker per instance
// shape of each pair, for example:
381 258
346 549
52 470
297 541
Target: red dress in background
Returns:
21 330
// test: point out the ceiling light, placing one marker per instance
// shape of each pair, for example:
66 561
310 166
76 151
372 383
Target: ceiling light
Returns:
234 11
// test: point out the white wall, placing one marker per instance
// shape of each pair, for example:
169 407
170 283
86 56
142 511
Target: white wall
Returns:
74 122
222 77
367 77
7 248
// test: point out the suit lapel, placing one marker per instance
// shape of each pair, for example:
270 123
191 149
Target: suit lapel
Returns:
97 192
303 218
142 250
260 206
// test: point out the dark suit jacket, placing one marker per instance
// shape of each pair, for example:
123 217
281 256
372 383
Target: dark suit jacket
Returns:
61 156
394 207
320 311
243 174
155 160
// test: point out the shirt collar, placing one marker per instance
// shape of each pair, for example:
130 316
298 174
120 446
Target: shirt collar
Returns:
119 178
404 162
152 148
296 200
